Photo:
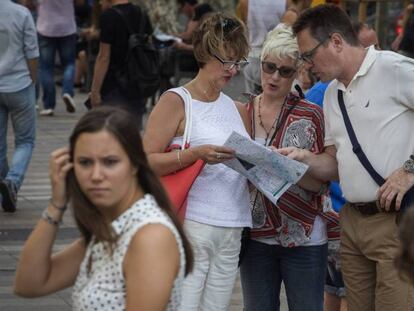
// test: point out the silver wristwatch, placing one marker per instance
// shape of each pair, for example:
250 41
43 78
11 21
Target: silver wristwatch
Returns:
409 165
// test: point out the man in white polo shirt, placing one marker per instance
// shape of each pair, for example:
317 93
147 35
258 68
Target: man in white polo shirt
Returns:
379 98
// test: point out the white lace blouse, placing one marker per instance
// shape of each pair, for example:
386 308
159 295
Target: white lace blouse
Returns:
103 288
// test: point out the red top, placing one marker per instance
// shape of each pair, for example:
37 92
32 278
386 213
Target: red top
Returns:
302 127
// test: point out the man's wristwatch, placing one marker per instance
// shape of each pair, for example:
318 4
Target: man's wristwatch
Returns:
409 165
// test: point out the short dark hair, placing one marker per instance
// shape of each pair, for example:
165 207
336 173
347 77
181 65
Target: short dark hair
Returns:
190 2
325 19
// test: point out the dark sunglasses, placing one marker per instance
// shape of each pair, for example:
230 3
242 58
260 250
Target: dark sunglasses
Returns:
284 71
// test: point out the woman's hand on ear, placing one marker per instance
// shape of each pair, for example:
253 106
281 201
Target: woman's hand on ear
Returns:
59 166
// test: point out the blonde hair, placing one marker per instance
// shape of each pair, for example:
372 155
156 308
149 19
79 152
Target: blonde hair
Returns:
280 42
220 34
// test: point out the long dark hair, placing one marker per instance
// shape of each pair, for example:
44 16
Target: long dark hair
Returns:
123 127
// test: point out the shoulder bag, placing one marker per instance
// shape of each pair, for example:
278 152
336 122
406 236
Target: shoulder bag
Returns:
178 184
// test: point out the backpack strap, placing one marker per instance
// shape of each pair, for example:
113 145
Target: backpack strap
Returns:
127 23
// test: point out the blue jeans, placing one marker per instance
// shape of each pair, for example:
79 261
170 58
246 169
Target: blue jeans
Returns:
21 108
302 270
66 47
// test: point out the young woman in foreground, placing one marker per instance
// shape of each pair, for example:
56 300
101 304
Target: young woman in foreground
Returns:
132 252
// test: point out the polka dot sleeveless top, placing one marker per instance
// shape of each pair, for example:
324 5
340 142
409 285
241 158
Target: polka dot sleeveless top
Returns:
103 287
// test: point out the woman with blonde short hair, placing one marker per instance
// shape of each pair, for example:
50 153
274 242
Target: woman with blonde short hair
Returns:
288 241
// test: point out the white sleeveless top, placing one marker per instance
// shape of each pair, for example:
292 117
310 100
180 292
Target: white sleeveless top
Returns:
262 16
103 288
219 195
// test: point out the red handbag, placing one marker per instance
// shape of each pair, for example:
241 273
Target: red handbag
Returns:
178 184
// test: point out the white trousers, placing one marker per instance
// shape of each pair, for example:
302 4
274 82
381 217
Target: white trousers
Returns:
216 255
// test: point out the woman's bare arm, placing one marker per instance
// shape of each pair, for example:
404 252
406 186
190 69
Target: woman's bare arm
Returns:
150 267
165 122
39 272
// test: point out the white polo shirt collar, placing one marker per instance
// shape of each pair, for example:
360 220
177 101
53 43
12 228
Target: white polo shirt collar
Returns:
369 59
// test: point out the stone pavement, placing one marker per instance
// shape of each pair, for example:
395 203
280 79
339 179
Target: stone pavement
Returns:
52 133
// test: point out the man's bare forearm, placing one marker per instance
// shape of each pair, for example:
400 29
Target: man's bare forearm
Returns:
322 166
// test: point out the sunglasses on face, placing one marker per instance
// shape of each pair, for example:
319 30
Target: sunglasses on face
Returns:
284 71
229 65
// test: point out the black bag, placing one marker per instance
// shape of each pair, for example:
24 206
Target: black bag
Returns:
408 199
139 76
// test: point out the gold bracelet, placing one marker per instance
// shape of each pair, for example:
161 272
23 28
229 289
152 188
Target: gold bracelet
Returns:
179 158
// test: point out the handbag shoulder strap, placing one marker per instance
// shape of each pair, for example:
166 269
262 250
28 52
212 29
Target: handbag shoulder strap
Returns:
188 117
356 147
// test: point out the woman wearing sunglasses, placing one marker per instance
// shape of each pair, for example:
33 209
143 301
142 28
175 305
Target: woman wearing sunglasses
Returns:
218 202
288 241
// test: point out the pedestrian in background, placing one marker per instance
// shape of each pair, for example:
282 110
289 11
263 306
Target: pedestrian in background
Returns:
18 69
56 27
113 49
218 201
132 254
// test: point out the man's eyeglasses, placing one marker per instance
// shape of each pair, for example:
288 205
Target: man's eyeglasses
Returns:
284 71
229 65
308 56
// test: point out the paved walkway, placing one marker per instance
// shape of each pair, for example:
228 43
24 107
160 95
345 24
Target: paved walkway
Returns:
52 133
